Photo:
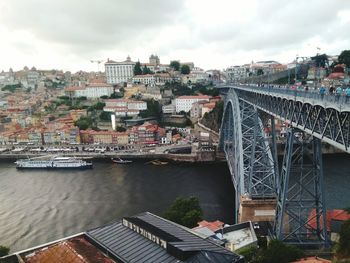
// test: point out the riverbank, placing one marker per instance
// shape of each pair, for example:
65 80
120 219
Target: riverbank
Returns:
198 157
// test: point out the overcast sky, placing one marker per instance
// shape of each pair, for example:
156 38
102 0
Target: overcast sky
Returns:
67 34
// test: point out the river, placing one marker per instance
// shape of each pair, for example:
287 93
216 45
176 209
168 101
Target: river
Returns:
38 206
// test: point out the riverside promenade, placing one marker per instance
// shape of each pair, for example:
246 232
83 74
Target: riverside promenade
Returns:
175 153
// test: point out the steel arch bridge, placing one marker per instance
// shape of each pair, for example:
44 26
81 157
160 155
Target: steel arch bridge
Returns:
252 161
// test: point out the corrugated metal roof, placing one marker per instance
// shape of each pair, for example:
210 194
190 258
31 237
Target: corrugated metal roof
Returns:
182 245
128 245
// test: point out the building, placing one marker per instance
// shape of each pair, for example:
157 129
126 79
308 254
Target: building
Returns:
119 72
169 109
184 103
142 238
153 79
92 90
124 108
235 73
234 237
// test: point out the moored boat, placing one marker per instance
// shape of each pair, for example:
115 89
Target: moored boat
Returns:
120 161
158 162
56 162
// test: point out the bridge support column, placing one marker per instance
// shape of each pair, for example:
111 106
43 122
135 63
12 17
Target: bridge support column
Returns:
301 209
256 210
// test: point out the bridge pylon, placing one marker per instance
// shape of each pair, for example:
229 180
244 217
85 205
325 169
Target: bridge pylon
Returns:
249 158
301 211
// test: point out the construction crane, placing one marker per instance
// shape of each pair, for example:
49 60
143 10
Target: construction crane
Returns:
98 62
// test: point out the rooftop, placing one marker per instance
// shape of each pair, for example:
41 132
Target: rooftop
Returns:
147 237
142 238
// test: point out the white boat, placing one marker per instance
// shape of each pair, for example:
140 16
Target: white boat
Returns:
56 162
120 161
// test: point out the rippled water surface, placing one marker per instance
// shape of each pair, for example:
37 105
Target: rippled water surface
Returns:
37 206
40 206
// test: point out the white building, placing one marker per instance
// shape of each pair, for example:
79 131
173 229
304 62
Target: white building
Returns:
93 90
118 72
236 73
122 108
184 103
169 109
152 79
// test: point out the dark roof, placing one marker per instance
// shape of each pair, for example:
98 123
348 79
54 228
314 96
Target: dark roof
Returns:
127 245
134 240
209 257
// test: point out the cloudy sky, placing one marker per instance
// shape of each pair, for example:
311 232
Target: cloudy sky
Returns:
67 34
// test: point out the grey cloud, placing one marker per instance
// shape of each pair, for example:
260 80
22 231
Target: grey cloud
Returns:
281 24
89 25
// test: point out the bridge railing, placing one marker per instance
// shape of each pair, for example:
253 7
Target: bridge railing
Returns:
329 98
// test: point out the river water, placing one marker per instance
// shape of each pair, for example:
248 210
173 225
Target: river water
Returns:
40 206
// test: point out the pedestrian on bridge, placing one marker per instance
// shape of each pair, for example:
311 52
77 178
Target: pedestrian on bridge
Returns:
322 92
338 92
347 93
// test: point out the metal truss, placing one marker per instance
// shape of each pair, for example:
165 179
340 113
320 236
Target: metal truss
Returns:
247 150
301 207
324 121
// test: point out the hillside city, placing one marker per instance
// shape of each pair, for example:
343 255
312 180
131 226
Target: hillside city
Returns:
140 103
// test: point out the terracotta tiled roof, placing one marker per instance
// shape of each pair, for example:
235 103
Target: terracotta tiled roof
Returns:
75 250
336 214
213 226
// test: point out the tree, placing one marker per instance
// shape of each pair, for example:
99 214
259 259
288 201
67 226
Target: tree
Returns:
120 129
278 252
175 65
146 70
343 248
185 211
185 69
153 110
321 60
137 68
106 116
260 72
4 251
344 58
83 123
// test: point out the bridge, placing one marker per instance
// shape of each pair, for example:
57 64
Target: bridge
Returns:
293 194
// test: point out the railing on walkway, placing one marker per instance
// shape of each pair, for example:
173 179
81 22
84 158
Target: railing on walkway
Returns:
328 98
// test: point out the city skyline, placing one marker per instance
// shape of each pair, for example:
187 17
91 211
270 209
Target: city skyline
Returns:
69 35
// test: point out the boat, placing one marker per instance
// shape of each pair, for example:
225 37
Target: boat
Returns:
158 162
56 162
120 161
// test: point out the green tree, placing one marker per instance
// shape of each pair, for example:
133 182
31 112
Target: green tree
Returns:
278 252
153 110
344 57
83 123
105 116
146 70
260 72
4 251
343 247
137 68
321 60
175 65
120 129
11 87
185 69
185 211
